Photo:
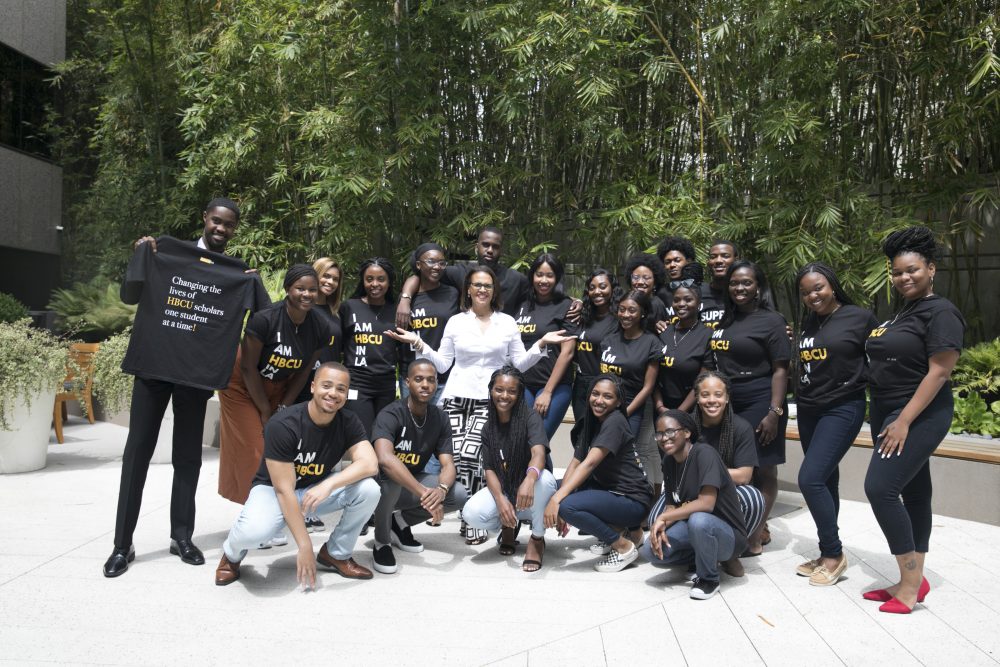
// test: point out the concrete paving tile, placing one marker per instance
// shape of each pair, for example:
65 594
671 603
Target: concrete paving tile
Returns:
689 620
643 633
584 649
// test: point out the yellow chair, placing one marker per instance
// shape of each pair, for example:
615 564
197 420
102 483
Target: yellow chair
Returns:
82 355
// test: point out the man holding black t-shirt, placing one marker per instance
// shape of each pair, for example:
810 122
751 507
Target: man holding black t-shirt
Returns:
302 446
406 434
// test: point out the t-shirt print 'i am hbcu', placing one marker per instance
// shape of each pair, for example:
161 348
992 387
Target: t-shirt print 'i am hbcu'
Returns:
192 304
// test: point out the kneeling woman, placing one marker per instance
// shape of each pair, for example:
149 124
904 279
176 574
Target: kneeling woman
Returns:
698 518
605 487
518 486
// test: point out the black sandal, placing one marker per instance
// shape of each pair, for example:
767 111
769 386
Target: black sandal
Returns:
508 541
534 565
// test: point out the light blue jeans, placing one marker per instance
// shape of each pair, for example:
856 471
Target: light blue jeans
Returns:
702 538
481 511
261 518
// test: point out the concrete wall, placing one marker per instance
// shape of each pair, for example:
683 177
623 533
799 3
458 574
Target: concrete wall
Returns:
30 202
36 28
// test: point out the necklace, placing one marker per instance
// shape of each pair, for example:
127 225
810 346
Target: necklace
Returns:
381 309
677 495
677 343
907 308
823 323
413 418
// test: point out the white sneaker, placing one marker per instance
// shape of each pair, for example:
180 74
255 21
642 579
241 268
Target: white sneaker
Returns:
278 540
616 562
600 549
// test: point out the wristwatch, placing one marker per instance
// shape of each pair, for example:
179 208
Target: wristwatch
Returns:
777 411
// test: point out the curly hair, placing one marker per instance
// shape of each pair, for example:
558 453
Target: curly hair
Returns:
651 262
678 243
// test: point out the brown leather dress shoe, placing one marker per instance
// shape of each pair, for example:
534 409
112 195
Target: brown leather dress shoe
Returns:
227 572
345 568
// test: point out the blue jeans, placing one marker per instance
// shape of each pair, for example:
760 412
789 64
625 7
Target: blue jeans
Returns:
703 539
261 518
561 397
601 513
481 510
827 434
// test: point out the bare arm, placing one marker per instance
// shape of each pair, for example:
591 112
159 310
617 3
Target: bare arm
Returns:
282 475
394 469
767 429
647 388
742 475
249 355
566 350
410 286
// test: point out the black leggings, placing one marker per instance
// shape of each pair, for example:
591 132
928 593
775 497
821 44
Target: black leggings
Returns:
906 524
370 402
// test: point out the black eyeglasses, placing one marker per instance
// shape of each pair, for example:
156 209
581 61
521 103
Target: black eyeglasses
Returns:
482 287
667 434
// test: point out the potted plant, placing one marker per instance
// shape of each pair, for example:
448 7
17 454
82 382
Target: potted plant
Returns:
112 387
32 366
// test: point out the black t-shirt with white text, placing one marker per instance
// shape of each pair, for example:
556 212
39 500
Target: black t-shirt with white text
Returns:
620 471
749 347
704 467
192 303
534 435
533 322
744 442
899 348
683 354
287 347
629 359
713 305
513 285
832 363
429 312
369 354
327 353
588 345
413 442
291 436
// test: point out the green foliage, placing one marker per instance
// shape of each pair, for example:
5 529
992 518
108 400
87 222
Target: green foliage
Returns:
11 310
973 415
112 387
978 370
31 361
91 308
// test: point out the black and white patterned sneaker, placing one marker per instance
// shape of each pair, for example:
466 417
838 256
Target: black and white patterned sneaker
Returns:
600 549
314 525
403 538
383 559
703 589
616 562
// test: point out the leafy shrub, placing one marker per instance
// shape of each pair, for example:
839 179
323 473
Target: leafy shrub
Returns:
92 308
978 371
973 415
112 387
11 310
31 360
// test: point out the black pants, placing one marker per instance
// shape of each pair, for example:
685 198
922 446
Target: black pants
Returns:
371 402
907 523
149 402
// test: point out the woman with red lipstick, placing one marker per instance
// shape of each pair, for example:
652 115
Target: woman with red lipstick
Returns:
750 347
547 387
912 357
833 374
685 351
598 319
281 345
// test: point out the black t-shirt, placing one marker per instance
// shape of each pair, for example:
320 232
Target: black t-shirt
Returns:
621 471
287 347
535 436
832 364
744 442
370 355
533 322
588 345
292 436
683 355
658 312
191 308
713 305
629 359
899 348
748 347
429 312
704 467
513 285
414 443
327 353
666 297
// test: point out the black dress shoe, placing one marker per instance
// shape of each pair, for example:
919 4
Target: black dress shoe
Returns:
117 562
188 552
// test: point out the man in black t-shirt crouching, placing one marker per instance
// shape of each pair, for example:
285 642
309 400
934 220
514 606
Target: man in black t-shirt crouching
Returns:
302 445
406 434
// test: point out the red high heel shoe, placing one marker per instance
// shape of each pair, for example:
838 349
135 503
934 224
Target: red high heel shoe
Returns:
894 606
882 595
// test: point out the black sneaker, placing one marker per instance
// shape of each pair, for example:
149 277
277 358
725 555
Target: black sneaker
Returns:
384 560
703 589
403 538
314 525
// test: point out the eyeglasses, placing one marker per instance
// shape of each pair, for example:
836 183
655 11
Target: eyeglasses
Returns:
667 434
433 263
482 287
636 278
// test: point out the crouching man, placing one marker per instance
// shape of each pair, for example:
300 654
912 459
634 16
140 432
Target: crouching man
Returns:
406 434
302 445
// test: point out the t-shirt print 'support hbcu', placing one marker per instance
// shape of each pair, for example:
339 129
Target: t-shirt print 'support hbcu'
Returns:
192 303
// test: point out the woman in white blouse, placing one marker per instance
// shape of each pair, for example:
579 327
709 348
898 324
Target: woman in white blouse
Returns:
479 340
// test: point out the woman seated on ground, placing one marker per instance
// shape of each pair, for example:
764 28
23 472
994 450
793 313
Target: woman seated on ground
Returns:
698 518
518 485
605 488
733 437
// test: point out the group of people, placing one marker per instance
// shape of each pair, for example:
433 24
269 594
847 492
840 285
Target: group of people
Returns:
678 384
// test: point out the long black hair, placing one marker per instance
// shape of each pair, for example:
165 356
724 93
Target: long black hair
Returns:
390 272
557 268
588 315
507 449
831 278
765 301
918 239
726 447
643 301
588 425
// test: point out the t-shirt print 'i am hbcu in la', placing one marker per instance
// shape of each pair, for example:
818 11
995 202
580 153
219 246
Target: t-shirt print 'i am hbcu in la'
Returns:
192 303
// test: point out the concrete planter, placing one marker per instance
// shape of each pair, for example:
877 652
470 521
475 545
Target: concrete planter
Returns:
26 448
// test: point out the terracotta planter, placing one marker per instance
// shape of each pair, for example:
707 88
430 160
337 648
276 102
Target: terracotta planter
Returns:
26 448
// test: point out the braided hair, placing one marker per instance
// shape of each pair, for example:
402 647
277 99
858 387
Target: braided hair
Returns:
390 272
916 239
296 271
686 421
726 446
507 449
